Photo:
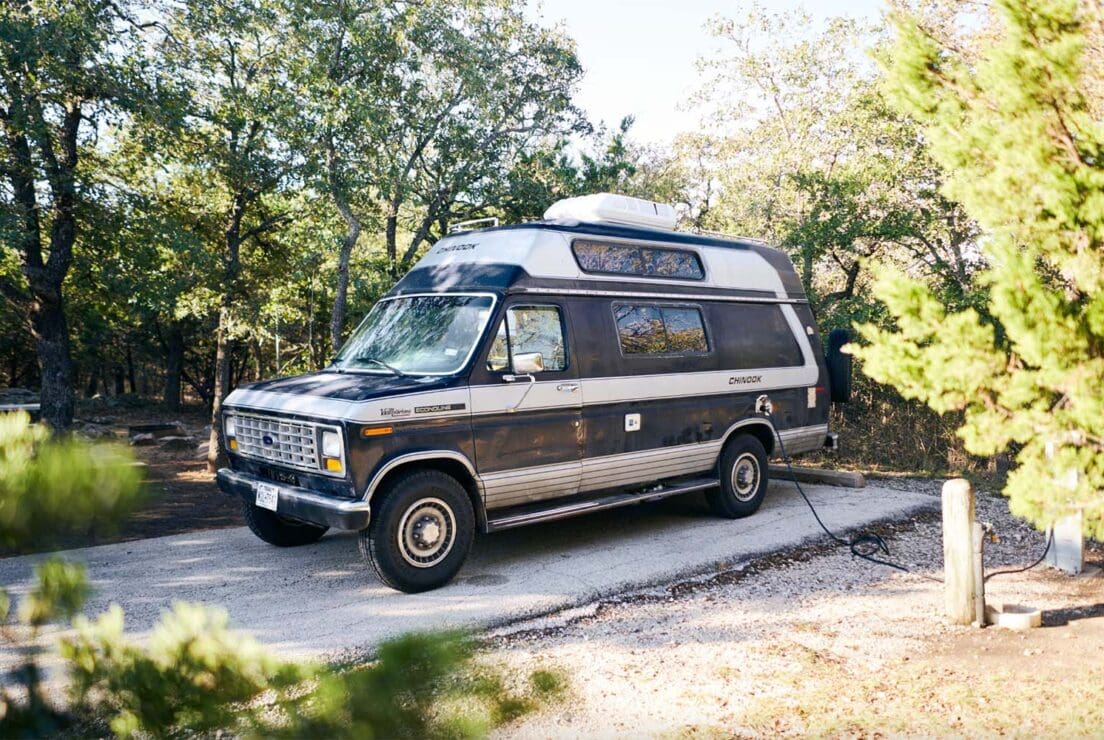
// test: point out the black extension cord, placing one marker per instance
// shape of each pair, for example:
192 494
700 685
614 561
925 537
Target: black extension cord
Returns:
868 545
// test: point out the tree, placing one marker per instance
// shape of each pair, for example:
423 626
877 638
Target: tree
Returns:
228 155
1013 116
417 110
65 65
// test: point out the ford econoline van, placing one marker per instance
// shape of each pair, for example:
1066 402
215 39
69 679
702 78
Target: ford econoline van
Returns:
521 374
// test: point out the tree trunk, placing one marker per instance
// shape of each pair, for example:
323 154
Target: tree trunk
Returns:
352 233
52 336
337 323
216 456
131 380
174 364
391 231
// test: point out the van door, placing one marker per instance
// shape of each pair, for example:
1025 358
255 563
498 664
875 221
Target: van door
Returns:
527 407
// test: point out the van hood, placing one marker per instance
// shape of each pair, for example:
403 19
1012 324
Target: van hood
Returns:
345 386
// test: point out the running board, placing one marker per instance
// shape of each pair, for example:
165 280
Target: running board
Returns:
597 504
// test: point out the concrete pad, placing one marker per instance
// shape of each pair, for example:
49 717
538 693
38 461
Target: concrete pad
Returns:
322 601
847 478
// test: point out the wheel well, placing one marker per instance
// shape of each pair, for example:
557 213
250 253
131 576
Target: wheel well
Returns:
760 430
448 466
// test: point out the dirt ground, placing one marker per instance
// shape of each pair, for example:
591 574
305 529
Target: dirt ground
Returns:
813 642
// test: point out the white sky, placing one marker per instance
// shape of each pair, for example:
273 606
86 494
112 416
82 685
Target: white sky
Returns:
639 55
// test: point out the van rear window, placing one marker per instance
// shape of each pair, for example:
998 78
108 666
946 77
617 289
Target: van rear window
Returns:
629 259
660 330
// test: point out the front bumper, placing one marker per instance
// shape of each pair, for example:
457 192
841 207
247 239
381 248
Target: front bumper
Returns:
299 503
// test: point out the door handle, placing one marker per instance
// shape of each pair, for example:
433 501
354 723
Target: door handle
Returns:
568 387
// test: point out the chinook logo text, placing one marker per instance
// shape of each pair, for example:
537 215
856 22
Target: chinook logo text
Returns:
745 379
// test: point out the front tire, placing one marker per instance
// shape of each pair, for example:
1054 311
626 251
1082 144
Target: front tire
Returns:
743 469
280 531
422 532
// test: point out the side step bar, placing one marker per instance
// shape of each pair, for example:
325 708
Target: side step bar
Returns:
610 501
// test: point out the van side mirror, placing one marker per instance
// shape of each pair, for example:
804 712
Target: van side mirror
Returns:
527 363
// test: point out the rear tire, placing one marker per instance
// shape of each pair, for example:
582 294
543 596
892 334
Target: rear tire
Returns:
743 472
420 536
278 530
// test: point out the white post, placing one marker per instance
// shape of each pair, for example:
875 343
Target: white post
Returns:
1067 552
958 551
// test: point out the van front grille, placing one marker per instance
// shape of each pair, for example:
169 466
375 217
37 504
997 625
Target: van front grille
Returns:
283 442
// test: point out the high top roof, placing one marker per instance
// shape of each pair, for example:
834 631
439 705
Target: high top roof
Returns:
541 250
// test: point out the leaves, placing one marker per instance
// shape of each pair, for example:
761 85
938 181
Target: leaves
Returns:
1010 122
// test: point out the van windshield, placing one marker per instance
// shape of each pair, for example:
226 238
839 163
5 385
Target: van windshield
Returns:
417 335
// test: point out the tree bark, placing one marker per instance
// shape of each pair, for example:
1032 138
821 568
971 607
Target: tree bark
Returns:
216 455
174 364
52 337
352 234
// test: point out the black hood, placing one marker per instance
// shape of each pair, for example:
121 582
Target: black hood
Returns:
352 386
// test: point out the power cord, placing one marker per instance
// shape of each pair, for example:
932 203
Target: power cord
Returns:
867 545
1050 542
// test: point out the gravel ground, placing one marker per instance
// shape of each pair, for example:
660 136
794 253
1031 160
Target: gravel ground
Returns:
758 648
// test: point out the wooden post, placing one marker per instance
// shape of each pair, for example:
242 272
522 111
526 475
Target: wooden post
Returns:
958 551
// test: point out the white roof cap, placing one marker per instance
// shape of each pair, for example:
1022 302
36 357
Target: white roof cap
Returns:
613 208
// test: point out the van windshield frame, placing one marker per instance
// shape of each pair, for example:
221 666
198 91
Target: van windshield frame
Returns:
375 331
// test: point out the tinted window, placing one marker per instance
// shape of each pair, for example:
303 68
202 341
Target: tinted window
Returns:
529 329
627 259
758 335
660 330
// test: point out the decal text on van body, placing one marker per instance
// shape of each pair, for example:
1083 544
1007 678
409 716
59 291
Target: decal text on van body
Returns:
745 379
393 412
439 408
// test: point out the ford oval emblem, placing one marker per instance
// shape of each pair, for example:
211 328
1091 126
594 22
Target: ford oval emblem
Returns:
267 440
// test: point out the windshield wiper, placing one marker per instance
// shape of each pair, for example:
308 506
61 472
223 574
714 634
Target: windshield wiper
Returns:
381 363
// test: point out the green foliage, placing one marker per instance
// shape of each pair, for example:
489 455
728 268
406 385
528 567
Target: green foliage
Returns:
1011 121
197 676
50 486
420 685
193 673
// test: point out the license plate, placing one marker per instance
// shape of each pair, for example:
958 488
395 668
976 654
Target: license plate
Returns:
267 496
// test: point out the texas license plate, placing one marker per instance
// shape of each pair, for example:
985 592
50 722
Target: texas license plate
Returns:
267 496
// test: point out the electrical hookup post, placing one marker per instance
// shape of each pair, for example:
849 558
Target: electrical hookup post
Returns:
964 591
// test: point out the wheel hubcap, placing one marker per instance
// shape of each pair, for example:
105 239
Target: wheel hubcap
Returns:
427 532
745 477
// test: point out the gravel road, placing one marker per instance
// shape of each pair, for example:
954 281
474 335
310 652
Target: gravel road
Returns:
322 601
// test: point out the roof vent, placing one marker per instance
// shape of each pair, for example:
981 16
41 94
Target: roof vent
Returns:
612 208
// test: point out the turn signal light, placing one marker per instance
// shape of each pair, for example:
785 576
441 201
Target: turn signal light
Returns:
333 465
376 431
233 444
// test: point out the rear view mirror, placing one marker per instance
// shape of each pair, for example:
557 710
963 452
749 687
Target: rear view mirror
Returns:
527 363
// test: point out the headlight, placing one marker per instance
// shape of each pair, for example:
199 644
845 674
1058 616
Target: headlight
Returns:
331 444
230 426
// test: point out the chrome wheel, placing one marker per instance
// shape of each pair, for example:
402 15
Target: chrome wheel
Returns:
745 477
427 532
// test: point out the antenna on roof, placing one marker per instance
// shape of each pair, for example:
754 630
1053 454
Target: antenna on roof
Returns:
473 225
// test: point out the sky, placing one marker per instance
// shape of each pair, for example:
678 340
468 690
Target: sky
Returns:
639 55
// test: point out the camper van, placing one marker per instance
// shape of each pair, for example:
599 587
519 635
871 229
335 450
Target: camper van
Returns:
526 373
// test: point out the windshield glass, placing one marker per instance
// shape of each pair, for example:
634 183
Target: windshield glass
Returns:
419 335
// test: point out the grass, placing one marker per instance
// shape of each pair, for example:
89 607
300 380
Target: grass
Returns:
827 698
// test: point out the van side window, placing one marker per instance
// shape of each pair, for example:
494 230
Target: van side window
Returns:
772 344
528 329
628 259
660 330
